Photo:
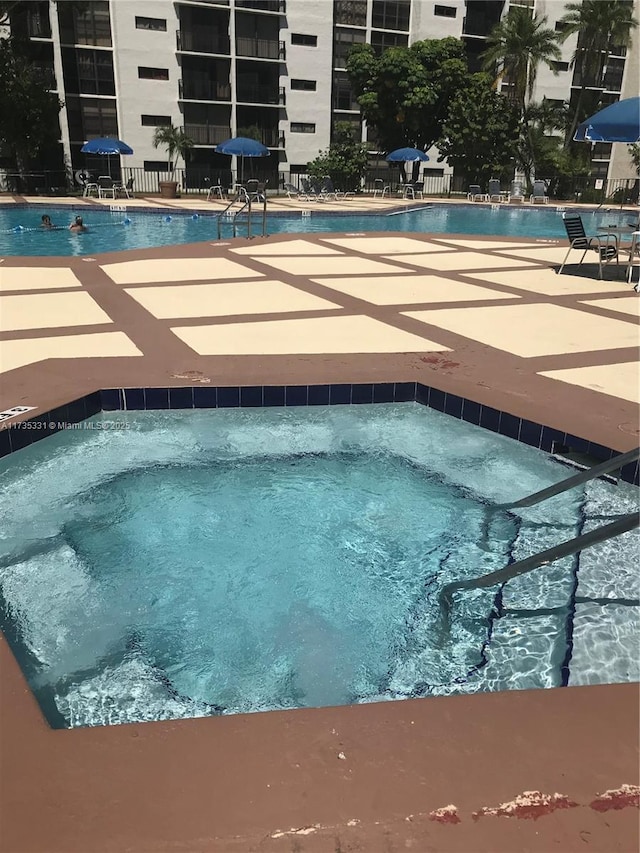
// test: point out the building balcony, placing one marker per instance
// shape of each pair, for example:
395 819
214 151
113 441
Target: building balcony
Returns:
261 94
207 134
203 40
260 48
203 90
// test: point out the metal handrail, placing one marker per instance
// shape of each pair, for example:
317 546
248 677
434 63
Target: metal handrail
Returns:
621 525
550 555
570 482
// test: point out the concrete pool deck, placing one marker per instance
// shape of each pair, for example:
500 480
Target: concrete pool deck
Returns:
488 320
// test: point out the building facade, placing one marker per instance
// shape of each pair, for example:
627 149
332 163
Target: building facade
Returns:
271 69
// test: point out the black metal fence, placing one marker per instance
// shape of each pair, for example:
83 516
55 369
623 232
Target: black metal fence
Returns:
196 180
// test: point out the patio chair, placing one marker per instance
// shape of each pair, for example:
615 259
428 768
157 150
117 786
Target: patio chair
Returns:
124 189
256 189
106 188
634 258
578 239
414 190
475 193
539 193
215 191
380 188
495 191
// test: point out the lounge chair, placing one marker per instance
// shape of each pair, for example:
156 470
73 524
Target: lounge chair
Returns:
634 257
327 189
475 193
310 191
578 239
539 193
496 193
516 193
291 190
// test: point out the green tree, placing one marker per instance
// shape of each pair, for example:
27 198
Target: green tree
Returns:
175 140
345 161
601 25
404 93
30 114
516 47
480 134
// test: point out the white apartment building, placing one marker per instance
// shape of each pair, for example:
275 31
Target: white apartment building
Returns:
220 67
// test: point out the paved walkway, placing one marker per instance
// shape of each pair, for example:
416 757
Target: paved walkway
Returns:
487 319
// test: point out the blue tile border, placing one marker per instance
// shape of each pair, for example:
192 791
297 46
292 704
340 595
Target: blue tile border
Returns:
13 438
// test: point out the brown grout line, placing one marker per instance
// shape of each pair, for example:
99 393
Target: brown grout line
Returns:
588 358
56 331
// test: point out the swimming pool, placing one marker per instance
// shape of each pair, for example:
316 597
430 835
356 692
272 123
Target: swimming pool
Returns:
20 232
161 565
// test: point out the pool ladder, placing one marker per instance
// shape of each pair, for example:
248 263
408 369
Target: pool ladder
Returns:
550 555
246 202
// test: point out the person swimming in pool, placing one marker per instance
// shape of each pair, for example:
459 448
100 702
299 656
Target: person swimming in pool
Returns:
46 221
77 225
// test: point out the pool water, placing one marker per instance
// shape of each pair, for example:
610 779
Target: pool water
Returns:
183 564
20 232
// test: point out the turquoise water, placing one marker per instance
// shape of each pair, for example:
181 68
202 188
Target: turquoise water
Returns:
112 232
169 565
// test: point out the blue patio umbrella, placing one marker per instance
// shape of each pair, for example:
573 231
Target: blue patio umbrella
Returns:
406 155
619 122
242 146
106 146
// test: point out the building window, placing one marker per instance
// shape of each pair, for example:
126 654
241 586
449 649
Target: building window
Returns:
157 166
159 24
560 27
155 121
308 41
445 11
383 41
343 97
304 85
559 66
153 73
92 24
351 12
344 40
391 14
89 117
89 72
302 127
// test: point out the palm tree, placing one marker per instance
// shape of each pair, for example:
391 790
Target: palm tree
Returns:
175 140
601 25
516 46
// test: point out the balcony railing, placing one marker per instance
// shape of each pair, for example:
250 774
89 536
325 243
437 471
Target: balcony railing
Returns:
278 6
207 134
260 94
203 90
203 40
260 48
